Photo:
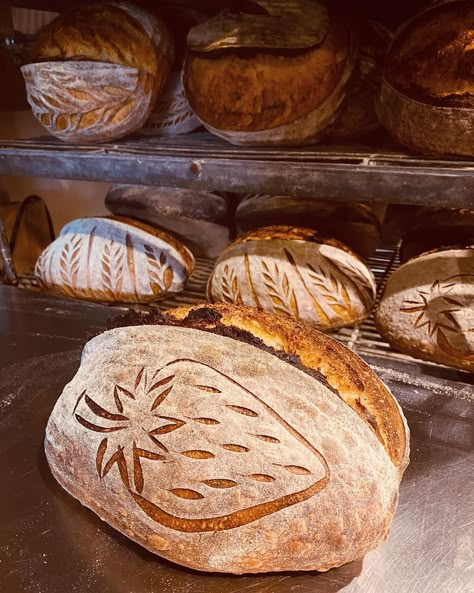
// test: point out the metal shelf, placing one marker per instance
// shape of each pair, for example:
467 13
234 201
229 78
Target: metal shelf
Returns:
375 170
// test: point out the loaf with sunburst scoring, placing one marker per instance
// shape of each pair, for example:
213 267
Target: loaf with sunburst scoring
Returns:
97 70
295 271
229 439
114 259
427 309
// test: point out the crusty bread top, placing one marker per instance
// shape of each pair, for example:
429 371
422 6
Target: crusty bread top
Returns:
290 233
234 91
158 233
342 369
433 60
99 33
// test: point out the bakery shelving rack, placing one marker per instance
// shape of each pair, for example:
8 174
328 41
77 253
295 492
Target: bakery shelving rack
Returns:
374 170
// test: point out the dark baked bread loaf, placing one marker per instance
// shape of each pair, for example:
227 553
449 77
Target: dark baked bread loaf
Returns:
265 93
354 224
182 433
114 259
295 271
358 115
427 309
198 218
438 227
427 97
97 70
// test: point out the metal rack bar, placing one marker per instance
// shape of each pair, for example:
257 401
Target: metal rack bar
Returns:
204 161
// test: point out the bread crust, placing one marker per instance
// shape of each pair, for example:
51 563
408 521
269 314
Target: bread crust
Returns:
266 90
97 71
426 99
343 370
192 445
427 309
297 272
113 260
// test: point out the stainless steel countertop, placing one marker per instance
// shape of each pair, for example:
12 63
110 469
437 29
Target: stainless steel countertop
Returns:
49 543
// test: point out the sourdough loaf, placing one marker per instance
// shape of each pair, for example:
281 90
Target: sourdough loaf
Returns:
277 77
437 227
358 115
354 224
427 96
114 259
427 309
185 437
172 114
297 272
96 71
200 219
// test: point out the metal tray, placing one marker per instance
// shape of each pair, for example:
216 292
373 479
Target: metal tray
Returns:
49 543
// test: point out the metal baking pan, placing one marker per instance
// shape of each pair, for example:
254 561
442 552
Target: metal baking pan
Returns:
49 543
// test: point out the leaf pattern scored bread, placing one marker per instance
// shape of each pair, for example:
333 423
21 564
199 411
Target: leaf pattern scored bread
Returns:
114 259
295 272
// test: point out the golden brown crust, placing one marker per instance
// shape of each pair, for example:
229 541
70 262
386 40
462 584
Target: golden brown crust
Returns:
343 370
432 59
104 33
291 233
266 90
158 233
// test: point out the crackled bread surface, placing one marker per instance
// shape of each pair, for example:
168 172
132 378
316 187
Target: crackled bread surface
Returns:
294 271
193 445
114 259
427 309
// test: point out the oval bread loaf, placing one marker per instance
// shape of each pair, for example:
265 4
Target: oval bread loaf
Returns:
97 71
427 96
260 94
114 259
208 446
427 309
294 271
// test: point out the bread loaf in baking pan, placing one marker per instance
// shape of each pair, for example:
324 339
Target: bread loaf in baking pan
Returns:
172 114
200 219
297 272
427 309
277 77
427 96
353 223
181 431
114 259
96 71
358 114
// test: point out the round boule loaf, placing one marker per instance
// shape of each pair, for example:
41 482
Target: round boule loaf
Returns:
268 92
427 95
295 271
114 260
181 431
427 309
96 71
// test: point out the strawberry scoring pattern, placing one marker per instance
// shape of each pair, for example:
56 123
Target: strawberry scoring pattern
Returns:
232 431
